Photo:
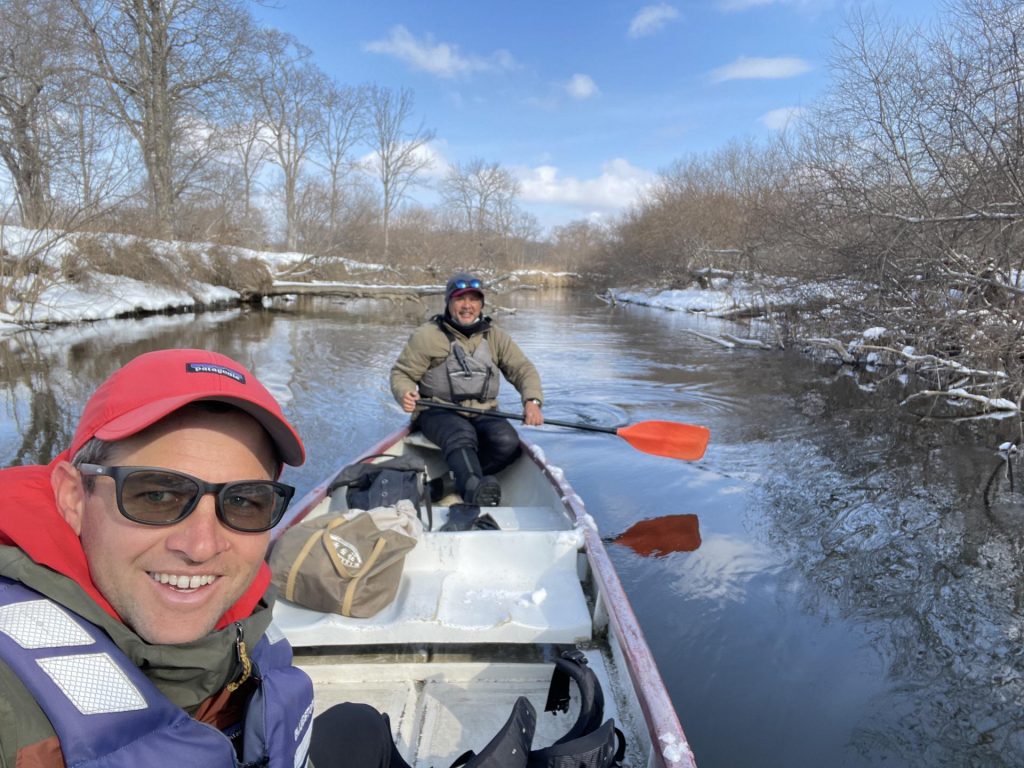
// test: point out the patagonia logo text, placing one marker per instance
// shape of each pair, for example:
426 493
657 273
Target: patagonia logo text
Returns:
213 368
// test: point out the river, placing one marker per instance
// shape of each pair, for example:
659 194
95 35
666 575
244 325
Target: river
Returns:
856 596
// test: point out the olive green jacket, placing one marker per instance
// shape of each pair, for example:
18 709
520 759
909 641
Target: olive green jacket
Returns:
187 674
429 346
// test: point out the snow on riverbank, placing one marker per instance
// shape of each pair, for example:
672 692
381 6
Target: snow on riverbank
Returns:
732 297
37 301
867 348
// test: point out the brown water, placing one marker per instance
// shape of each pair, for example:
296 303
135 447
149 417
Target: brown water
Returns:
848 589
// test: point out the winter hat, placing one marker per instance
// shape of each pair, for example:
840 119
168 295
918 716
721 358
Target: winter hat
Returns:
156 384
460 283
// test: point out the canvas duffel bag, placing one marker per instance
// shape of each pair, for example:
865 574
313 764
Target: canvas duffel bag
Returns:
350 563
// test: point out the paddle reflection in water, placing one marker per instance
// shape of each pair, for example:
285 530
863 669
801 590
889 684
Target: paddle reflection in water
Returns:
660 536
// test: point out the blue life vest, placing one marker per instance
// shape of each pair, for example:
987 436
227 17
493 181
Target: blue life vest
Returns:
108 714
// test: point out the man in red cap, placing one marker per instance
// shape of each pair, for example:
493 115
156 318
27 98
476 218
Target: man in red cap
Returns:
460 357
132 579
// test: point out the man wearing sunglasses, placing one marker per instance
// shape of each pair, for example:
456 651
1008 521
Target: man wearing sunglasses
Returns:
132 578
459 357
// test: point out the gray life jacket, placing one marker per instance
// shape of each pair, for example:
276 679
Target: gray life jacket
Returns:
108 714
462 376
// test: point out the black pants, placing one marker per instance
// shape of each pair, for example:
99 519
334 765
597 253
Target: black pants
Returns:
353 736
492 438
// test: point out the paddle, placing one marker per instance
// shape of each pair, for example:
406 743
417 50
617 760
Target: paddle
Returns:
659 438
660 535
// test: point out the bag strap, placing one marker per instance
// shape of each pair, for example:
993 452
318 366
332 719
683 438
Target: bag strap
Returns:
293 572
353 577
350 590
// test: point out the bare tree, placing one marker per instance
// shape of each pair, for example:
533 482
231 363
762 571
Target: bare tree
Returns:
96 167
290 90
343 127
33 65
170 69
577 243
400 155
249 151
481 196
479 192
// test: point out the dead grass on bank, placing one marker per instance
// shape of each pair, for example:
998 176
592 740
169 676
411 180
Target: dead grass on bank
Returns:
178 267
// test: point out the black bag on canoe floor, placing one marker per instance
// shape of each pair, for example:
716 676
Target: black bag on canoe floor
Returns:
372 484
588 744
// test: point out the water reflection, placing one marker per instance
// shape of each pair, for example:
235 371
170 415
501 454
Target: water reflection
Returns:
661 536
723 570
907 533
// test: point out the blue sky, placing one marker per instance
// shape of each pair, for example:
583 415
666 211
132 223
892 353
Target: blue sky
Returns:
583 101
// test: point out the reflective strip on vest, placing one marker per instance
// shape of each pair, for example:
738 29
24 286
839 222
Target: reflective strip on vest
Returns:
108 714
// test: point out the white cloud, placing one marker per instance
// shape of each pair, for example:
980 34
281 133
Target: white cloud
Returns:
581 87
781 119
651 18
441 59
742 5
754 68
617 187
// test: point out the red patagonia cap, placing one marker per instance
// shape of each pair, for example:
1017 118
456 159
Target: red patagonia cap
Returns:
158 383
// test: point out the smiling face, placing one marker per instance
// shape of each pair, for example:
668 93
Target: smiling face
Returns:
172 583
466 308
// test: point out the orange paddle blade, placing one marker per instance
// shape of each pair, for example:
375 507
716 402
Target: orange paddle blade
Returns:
661 535
667 438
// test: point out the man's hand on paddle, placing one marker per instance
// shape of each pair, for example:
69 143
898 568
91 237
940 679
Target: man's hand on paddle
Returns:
531 414
409 401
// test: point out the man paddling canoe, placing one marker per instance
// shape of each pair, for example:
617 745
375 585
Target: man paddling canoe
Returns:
459 357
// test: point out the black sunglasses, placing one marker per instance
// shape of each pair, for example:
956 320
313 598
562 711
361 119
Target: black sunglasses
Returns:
474 283
155 496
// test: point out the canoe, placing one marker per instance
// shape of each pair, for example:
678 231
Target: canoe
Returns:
479 617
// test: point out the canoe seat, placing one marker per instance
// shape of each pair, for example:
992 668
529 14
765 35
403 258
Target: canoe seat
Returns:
509 586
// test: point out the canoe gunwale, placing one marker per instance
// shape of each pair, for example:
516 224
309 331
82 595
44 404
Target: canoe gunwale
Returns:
666 731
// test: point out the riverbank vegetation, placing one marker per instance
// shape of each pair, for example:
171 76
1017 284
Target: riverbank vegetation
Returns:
906 179
901 191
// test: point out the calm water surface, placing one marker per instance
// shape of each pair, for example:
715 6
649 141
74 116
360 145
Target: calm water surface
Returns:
857 595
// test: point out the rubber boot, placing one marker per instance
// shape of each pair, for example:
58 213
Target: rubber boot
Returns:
472 484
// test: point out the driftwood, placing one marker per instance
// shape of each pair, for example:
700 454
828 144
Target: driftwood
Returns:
957 404
709 337
988 404
729 341
755 343
833 345
353 291
925 363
